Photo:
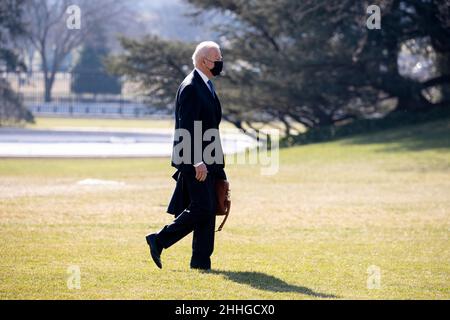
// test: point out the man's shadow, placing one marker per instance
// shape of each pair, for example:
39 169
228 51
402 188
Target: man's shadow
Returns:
262 281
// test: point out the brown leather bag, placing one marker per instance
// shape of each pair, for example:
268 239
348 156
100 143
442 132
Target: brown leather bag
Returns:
223 200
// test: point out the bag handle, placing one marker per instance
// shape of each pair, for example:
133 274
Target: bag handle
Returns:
226 216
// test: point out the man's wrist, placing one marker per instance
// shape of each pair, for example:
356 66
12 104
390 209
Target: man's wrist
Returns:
197 164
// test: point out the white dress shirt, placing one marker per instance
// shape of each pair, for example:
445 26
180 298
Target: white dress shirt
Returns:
204 76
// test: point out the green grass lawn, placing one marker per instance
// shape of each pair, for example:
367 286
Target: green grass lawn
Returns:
310 231
56 122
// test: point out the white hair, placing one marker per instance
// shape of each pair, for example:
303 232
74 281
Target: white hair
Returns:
202 49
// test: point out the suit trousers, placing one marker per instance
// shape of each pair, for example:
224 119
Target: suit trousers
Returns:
199 217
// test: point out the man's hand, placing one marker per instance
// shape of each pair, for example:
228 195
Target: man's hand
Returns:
201 172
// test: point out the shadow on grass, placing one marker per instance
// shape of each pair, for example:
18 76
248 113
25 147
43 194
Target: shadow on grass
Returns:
411 138
262 281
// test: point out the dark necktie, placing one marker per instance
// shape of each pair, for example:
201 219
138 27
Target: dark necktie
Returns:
211 88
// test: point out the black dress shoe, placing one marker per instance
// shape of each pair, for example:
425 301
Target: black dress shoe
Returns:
200 267
207 270
155 250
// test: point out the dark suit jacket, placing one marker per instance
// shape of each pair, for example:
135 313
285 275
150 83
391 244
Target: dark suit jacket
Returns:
194 102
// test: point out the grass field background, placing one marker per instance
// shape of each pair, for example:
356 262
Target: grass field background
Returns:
310 231
52 123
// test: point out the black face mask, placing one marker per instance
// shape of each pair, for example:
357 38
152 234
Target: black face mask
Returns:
217 69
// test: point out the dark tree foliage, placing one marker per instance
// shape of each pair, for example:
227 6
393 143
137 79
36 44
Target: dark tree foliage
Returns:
11 106
157 65
10 26
316 62
312 62
407 21
89 74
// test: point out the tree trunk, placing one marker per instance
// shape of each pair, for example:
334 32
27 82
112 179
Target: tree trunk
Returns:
48 87
444 69
407 91
412 103
323 118
410 97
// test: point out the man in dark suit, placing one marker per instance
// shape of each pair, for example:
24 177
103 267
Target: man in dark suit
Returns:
197 116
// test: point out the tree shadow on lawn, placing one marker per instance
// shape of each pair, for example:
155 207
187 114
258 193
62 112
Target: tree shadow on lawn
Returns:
262 281
410 138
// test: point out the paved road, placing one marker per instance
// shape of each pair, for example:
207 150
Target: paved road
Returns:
18 142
